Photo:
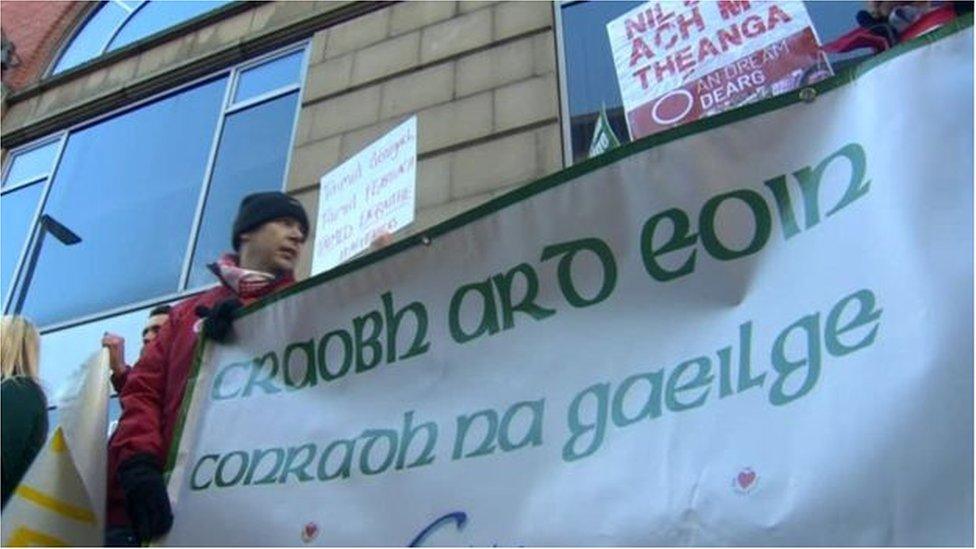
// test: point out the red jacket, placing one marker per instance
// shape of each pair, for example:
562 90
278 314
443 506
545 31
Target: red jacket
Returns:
153 393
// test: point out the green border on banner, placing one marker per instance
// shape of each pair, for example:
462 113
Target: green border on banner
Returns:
800 95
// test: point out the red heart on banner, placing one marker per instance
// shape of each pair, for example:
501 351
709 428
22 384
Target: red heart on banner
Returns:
746 478
310 532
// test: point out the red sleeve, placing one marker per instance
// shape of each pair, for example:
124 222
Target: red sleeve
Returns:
118 380
140 427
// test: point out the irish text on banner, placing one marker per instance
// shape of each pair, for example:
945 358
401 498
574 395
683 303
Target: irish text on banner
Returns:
678 61
688 340
372 193
61 499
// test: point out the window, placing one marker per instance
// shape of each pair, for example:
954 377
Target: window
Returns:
150 191
267 77
62 351
151 17
17 211
31 164
590 78
23 184
251 158
118 23
119 188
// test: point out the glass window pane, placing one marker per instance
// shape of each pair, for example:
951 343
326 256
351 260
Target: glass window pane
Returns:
31 164
128 186
92 37
17 209
251 158
833 20
52 416
590 75
114 413
62 351
269 76
157 16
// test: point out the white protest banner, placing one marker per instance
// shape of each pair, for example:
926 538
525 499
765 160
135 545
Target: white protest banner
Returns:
688 340
370 194
61 499
678 61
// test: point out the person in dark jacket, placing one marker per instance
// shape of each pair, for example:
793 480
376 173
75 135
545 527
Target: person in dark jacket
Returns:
116 345
268 236
24 407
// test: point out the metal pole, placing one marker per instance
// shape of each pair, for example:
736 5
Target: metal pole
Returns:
31 264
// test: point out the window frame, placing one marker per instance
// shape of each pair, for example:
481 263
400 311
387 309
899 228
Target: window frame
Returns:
49 71
565 122
131 13
61 139
232 73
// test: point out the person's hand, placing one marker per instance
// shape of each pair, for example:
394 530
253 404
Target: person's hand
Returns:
116 352
383 240
218 320
146 500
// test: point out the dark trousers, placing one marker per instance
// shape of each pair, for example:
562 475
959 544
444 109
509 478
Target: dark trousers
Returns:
120 536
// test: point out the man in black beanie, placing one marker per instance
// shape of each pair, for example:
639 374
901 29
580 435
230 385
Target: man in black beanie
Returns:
267 238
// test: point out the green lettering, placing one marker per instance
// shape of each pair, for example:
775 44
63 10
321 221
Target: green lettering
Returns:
865 313
306 348
393 320
701 378
267 384
215 393
298 470
810 182
464 423
760 214
257 456
345 465
372 342
194 485
489 316
346 342
568 251
406 438
504 283
373 435
578 428
810 327
533 435
221 482
652 405
680 238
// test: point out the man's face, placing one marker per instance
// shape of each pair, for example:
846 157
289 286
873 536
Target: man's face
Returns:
273 247
152 328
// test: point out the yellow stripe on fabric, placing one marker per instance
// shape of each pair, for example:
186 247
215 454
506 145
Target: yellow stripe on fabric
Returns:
25 537
59 507
58 444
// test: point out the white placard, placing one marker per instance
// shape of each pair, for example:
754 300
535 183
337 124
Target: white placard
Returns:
678 61
372 193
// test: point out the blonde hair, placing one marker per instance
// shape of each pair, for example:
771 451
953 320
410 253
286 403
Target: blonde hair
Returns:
19 347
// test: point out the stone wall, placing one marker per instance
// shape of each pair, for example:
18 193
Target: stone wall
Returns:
481 78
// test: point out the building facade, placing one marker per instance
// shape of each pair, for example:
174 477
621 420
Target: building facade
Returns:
131 130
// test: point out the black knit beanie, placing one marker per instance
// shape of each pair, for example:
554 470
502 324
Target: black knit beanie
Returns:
259 208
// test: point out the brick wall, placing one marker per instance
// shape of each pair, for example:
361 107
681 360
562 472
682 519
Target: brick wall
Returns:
480 77
36 29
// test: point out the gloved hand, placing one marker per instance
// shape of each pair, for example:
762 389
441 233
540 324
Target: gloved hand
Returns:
218 321
146 500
